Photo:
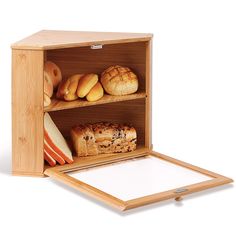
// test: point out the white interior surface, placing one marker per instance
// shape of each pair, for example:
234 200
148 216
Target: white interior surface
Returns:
140 177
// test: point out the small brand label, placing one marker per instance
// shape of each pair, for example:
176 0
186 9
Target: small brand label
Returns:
96 46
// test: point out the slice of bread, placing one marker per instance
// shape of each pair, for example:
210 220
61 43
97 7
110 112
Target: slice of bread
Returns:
53 154
49 159
55 140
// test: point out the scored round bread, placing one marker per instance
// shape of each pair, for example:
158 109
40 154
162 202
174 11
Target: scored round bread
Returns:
55 140
118 80
86 83
95 93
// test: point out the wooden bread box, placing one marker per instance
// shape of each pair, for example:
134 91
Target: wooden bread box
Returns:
86 52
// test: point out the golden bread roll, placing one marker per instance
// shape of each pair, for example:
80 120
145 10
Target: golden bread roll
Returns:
95 93
54 73
118 80
86 83
67 89
46 100
72 87
47 83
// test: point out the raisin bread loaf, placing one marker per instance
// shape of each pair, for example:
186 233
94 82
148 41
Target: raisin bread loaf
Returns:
98 138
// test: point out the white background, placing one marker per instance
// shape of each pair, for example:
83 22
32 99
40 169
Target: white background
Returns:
194 115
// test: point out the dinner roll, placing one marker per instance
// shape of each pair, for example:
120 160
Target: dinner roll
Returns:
86 83
95 93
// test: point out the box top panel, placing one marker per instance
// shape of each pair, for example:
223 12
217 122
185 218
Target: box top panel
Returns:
53 39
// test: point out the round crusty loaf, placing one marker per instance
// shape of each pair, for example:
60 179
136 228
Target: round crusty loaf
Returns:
95 93
85 84
118 80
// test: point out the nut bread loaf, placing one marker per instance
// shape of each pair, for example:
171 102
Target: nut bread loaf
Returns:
104 137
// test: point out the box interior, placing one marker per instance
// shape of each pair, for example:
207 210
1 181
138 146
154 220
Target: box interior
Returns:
87 60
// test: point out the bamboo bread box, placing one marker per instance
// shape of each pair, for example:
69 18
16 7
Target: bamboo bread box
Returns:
83 53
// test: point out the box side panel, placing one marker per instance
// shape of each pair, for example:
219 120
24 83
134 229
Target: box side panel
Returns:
148 105
27 112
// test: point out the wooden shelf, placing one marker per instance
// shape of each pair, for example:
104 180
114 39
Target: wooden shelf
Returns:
57 105
97 160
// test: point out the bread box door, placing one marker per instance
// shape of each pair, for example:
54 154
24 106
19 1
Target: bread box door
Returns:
133 181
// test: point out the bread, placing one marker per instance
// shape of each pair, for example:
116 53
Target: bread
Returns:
98 138
95 93
49 159
48 86
67 89
55 141
83 140
46 100
53 72
118 80
52 153
86 83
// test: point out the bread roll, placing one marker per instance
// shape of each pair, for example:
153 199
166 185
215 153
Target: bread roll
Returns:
48 86
86 83
54 73
95 93
46 100
98 138
67 88
118 80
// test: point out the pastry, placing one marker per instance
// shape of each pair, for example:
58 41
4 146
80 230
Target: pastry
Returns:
54 141
53 72
67 89
86 83
95 93
118 80
98 138
48 86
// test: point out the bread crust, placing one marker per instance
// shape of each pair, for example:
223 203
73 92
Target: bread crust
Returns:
48 149
49 159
